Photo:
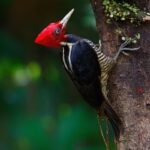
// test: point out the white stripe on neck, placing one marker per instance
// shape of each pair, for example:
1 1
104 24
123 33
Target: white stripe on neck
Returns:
63 57
69 56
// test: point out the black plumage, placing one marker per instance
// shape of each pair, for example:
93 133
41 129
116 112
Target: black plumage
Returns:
81 63
86 72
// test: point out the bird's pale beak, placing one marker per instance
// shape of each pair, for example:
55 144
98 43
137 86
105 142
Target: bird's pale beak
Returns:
65 20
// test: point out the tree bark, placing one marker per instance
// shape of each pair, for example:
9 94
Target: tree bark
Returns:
129 83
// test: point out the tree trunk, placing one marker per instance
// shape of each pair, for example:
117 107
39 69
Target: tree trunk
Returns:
129 83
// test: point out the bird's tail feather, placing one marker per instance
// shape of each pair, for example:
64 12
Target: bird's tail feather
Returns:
113 119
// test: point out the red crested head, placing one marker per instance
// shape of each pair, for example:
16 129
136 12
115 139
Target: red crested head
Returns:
54 33
51 36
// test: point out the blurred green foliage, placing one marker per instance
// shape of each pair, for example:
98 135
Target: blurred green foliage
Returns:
40 108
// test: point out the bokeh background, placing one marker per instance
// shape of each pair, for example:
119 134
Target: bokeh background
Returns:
40 109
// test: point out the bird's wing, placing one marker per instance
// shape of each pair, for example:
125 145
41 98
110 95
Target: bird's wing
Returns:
86 72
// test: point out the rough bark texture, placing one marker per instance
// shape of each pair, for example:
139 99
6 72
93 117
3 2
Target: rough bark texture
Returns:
129 82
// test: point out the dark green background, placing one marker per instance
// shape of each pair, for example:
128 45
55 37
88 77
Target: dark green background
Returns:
40 108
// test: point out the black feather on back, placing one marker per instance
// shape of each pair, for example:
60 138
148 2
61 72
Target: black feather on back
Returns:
83 67
85 73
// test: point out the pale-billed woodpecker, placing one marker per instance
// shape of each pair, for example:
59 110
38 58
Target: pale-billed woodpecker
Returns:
87 66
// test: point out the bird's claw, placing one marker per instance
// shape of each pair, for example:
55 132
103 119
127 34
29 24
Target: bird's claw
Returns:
130 49
124 48
100 43
124 53
123 45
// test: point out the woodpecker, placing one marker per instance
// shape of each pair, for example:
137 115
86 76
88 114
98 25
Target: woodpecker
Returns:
87 66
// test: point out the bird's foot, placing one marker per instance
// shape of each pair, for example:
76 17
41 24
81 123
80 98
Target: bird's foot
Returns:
100 43
123 48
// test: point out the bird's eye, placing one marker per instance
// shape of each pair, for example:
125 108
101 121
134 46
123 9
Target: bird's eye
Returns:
57 31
